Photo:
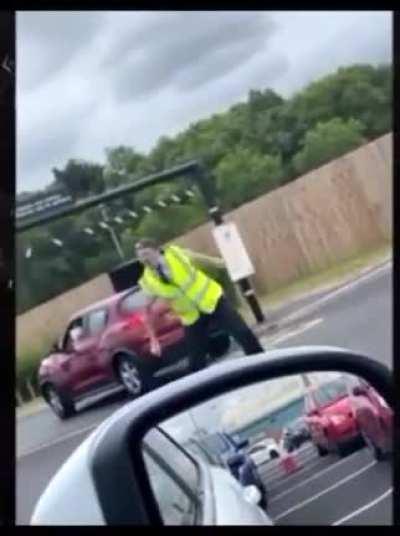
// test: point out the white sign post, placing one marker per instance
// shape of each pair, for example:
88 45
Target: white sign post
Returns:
233 251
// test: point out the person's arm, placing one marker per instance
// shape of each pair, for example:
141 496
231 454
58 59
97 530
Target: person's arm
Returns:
214 261
147 317
155 347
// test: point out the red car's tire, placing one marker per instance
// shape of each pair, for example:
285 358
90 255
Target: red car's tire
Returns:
376 451
60 403
322 451
132 375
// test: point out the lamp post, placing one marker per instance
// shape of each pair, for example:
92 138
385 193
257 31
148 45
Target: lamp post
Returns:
113 235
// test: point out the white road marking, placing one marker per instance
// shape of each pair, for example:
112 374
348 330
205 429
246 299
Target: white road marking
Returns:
317 475
327 490
293 333
345 288
59 440
279 480
363 508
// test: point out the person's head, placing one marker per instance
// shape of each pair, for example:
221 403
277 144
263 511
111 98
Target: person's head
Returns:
76 333
147 251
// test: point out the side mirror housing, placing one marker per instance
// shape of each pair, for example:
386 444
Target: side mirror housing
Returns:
252 494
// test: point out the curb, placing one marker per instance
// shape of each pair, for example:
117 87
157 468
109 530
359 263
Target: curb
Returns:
26 411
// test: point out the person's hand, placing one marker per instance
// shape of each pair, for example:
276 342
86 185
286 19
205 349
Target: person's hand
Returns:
155 347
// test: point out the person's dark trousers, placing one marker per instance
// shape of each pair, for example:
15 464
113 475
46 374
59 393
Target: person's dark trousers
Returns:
227 319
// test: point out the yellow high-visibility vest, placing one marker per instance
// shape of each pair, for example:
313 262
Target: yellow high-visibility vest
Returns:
190 292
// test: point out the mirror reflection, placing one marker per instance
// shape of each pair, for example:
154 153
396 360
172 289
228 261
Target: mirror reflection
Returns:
310 449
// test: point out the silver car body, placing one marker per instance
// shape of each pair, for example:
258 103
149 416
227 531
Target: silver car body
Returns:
70 498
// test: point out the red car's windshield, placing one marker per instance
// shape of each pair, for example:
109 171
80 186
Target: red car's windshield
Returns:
330 392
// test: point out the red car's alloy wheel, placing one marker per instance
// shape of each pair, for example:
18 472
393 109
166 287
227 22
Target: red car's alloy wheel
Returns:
130 376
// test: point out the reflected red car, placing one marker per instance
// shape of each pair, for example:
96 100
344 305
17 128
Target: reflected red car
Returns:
106 346
330 418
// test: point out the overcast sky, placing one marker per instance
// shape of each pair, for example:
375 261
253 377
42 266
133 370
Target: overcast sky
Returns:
90 80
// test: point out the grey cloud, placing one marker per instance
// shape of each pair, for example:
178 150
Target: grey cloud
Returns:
53 140
265 70
152 62
185 50
52 39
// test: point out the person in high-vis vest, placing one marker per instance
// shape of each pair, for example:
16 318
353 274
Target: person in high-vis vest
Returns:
196 299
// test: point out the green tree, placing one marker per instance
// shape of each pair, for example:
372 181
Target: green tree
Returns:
251 148
169 223
328 141
124 164
245 174
361 92
80 178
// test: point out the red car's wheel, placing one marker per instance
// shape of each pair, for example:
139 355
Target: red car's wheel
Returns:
61 404
132 376
377 451
322 451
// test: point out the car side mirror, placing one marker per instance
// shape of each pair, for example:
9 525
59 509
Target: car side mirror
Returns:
229 396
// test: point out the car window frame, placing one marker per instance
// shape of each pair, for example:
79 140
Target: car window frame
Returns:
183 487
196 497
68 329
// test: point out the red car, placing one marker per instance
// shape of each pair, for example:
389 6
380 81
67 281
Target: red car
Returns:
106 345
374 418
330 417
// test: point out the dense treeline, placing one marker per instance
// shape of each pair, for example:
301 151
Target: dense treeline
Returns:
250 149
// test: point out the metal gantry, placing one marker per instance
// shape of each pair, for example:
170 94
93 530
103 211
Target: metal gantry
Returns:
193 169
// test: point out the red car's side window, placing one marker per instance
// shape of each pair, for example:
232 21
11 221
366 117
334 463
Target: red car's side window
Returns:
66 343
133 301
96 322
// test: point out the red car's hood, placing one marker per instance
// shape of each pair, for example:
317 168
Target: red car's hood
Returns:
342 405
50 360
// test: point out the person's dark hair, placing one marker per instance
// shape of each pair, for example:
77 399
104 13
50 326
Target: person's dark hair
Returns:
147 243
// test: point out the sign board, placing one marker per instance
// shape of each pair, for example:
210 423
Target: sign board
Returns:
233 251
44 205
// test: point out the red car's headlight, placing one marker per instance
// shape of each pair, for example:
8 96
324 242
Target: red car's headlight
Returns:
339 419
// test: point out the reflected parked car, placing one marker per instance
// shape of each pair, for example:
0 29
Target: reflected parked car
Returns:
330 417
264 451
226 450
106 346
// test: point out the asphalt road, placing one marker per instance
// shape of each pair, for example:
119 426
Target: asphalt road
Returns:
359 318
355 490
